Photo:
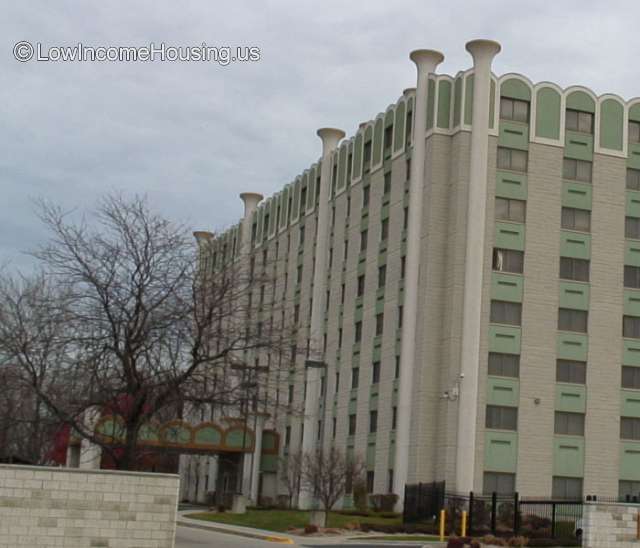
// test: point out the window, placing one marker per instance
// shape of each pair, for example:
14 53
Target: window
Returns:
501 418
366 193
355 378
632 227
504 365
299 274
631 327
375 373
384 230
333 427
577 120
400 311
631 377
352 425
363 240
340 337
303 200
634 132
514 109
366 153
632 276
576 170
337 381
574 269
570 424
572 320
508 260
287 436
379 324
566 488
301 236
576 219
505 312
628 489
405 218
382 276
358 332
387 182
633 179
346 251
403 266
296 313
373 422
394 417
512 159
370 477
629 428
500 483
510 210
388 140
348 213
291 393
390 480
360 291
396 374
571 371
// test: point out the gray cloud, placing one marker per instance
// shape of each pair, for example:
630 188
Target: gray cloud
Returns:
194 135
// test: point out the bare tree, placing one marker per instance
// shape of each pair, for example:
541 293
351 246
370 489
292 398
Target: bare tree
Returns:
326 474
291 474
123 320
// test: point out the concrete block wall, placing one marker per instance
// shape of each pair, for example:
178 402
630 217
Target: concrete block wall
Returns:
610 525
42 506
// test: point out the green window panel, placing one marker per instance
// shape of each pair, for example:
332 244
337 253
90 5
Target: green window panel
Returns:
342 167
468 100
611 124
311 187
630 403
457 101
630 461
515 89
392 450
548 113
492 103
431 103
371 454
578 146
260 225
510 236
353 403
513 135
377 142
579 100
504 339
357 156
632 302
444 103
633 203
574 244
384 212
568 456
503 391
511 185
269 463
632 253
501 451
399 131
633 160
577 195
571 398
634 113
507 287
373 397
377 355
574 295
572 346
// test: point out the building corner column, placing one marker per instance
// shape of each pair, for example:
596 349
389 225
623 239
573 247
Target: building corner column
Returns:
483 52
330 138
426 62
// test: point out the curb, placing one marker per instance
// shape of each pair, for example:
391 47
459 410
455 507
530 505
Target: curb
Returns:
257 536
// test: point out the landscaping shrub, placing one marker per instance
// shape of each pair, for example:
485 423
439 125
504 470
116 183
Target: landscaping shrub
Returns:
360 495
518 541
384 502
455 542
221 508
496 541
310 529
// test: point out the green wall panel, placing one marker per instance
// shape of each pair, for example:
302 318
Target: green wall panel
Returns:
511 185
504 339
507 287
631 351
548 113
611 124
579 100
568 456
503 391
269 463
468 100
633 160
515 89
377 142
632 253
457 101
574 295
630 461
342 167
630 403
371 455
357 156
575 244
311 187
444 103
578 146
492 104
500 451
632 302
399 131
571 398
431 101
510 235
577 195
572 346
513 135
634 113
633 203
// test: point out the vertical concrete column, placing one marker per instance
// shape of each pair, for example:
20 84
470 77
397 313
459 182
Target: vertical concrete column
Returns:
330 138
483 52
426 62
257 453
250 201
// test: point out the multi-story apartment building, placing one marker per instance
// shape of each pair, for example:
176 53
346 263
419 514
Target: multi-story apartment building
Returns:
467 269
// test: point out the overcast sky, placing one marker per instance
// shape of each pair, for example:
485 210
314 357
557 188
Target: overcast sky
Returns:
192 135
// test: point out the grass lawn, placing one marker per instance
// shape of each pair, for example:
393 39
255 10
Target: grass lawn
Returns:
282 520
418 538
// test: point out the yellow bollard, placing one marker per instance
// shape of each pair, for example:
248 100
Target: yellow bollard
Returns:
442 524
463 532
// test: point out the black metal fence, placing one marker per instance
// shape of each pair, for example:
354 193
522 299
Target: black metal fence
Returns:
423 502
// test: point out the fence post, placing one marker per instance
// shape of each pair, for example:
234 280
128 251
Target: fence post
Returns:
553 520
470 519
516 514
494 511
